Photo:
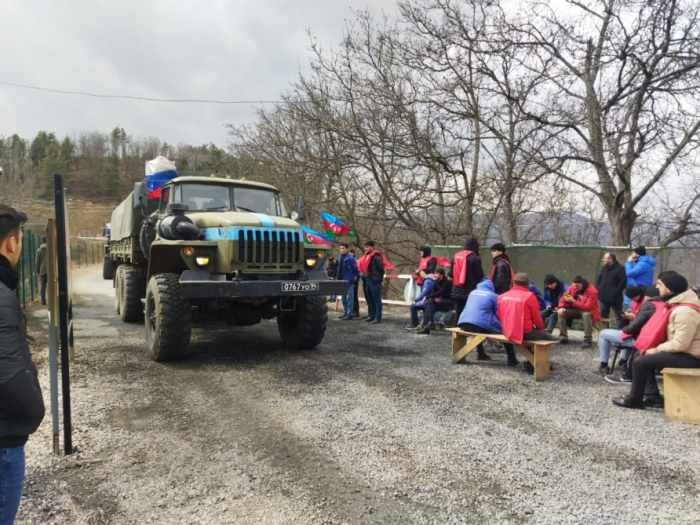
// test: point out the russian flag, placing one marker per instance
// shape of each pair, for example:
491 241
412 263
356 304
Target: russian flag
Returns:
335 226
158 172
312 237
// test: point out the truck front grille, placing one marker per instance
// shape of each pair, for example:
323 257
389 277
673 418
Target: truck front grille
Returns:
263 246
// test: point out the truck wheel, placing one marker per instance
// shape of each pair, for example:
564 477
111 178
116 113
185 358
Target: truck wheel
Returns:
107 268
132 290
168 318
118 289
304 327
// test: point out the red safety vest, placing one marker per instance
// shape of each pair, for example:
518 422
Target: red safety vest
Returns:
422 265
511 312
459 270
653 333
512 275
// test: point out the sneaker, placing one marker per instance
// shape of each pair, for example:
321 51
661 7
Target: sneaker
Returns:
603 370
563 341
412 327
483 357
375 321
440 326
432 326
346 318
618 380
369 320
587 343
513 362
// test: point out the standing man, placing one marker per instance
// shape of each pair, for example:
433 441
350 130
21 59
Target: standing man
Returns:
331 272
502 272
21 402
639 268
611 284
467 272
41 269
374 275
347 271
356 289
579 302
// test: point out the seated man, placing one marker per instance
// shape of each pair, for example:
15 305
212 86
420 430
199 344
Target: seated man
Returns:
679 325
437 300
608 337
419 304
479 316
519 313
579 302
553 290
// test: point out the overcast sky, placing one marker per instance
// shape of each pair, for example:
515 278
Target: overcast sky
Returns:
206 49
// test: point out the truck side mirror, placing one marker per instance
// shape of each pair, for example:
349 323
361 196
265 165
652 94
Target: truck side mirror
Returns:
302 209
138 196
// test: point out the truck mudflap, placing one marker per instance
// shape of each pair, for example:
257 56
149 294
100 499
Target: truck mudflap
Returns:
200 284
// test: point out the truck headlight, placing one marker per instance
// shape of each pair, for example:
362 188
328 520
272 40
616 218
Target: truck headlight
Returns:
311 262
202 261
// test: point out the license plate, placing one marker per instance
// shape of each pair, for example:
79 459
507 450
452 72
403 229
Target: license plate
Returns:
300 287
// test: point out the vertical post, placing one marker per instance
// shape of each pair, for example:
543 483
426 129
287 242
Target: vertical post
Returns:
34 276
52 300
64 304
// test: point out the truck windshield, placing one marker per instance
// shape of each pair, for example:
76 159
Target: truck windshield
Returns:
255 200
213 197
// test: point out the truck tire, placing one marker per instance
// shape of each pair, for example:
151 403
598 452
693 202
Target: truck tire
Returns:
304 327
107 268
118 289
168 318
133 289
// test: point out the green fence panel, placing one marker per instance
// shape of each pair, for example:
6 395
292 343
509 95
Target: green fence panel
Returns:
28 287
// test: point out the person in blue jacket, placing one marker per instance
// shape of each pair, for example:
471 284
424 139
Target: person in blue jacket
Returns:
538 294
639 269
347 271
419 304
479 316
553 289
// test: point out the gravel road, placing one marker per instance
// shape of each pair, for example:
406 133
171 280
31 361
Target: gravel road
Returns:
374 426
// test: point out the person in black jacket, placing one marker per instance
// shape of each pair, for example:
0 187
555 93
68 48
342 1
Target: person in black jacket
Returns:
21 402
374 276
439 299
474 275
331 272
610 284
502 271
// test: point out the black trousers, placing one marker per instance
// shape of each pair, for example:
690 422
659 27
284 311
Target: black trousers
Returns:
643 366
616 308
355 299
468 327
459 306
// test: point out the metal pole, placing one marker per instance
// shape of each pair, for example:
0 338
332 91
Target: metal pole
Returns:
52 300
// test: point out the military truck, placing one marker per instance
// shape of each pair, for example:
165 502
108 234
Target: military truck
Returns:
215 249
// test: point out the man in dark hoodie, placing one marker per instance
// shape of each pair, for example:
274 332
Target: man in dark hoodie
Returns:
466 272
427 264
502 272
610 284
21 402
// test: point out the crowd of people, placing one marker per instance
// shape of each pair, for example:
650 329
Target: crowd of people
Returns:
657 323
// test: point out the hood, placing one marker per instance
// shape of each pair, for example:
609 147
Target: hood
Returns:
689 296
472 245
647 259
229 219
426 251
487 285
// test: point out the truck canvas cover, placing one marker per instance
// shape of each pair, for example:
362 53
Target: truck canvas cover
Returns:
126 222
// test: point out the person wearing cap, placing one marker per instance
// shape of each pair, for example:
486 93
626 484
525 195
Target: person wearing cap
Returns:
639 268
580 301
502 271
681 349
611 284
519 313
553 289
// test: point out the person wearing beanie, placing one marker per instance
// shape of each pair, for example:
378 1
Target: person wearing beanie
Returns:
466 272
553 289
519 313
639 268
502 271
611 284
580 301
680 322
427 264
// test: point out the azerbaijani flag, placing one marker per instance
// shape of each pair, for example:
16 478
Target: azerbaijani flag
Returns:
158 171
334 226
312 237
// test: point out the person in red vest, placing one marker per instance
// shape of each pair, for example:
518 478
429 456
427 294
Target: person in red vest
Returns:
502 271
580 301
466 272
519 313
678 323
427 264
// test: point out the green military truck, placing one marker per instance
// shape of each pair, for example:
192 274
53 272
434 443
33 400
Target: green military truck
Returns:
215 249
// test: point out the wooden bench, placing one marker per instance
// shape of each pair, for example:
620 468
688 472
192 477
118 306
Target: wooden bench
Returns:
603 324
682 394
536 352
